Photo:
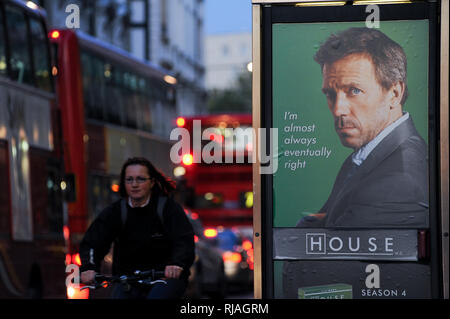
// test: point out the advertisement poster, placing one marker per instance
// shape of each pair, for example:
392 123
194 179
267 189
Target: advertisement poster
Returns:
352 181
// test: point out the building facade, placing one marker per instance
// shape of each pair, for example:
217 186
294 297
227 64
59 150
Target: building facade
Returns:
176 43
226 57
168 33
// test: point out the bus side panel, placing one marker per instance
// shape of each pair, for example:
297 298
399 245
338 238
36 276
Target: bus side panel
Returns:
72 118
5 204
96 148
46 202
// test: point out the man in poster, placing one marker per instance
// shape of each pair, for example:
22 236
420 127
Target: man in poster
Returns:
384 182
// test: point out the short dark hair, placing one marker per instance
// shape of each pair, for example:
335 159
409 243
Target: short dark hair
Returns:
387 56
163 184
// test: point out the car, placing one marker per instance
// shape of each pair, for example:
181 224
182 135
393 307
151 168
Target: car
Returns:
207 277
237 253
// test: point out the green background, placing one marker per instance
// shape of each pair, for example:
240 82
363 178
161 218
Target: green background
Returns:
297 83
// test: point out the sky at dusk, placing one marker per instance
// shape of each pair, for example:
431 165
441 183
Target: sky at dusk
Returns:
227 16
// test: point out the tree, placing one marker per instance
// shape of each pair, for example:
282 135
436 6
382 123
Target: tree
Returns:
237 99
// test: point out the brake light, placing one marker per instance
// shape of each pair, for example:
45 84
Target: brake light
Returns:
247 244
55 34
76 259
230 256
76 293
68 259
210 232
181 122
250 259
70 292
188 159
66 232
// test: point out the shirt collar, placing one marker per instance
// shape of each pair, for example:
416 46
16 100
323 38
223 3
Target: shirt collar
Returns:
143 205
359 156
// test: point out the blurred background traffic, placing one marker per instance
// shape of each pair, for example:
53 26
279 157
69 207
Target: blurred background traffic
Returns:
84 85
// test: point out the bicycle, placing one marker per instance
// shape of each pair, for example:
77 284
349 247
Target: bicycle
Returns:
145 278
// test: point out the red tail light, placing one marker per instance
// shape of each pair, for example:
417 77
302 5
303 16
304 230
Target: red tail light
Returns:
210 232
76 293
188 159
250 259
55 34
66 232
68 259
181 122
247 244
194 216
232 257
76 259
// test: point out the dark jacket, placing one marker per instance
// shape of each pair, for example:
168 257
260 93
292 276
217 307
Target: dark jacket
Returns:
143 242
389 189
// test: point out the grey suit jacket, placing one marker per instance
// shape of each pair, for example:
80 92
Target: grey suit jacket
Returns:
388 190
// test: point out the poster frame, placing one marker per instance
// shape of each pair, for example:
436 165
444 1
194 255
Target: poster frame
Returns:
438 139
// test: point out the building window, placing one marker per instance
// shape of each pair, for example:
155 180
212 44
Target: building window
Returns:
225 50
164 19
20 60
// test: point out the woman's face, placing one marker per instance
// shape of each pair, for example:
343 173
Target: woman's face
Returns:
138 183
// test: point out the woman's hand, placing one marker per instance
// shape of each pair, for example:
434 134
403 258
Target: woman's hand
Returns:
88 277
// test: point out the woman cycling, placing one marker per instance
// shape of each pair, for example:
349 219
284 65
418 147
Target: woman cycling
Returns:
144 236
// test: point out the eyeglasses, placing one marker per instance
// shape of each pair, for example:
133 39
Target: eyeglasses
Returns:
139 180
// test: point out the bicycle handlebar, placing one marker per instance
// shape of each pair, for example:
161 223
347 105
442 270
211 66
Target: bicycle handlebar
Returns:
148 277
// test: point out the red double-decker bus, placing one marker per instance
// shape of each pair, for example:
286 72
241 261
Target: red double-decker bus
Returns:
113 106
215 172
32 206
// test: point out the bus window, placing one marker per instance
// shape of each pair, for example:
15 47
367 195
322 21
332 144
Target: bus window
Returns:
3 65
132 103
19 46
93 86
40 55
88 94
113 101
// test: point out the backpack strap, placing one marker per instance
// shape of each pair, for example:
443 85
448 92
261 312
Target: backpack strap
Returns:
123 216
123 211
161 203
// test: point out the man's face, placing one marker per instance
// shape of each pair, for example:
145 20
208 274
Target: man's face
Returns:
361 107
